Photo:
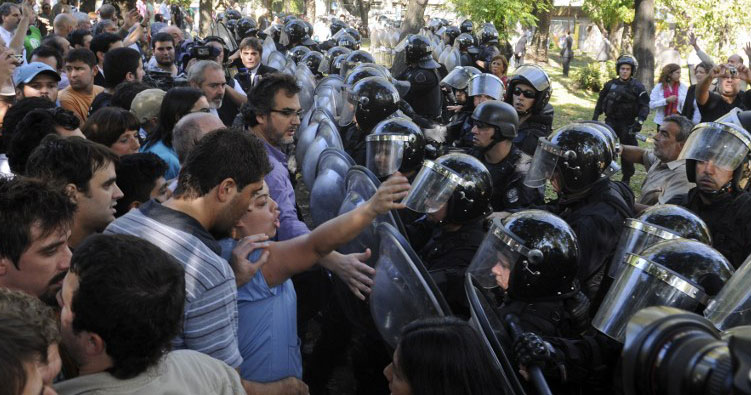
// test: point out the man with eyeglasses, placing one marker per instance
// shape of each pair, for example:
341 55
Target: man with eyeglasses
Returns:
728 96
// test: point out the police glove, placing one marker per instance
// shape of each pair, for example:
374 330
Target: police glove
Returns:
530 349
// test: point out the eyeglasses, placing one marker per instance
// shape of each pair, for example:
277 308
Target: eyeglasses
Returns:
527 94
287 112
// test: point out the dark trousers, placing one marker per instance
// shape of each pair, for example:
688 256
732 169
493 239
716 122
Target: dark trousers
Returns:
566 64
626 138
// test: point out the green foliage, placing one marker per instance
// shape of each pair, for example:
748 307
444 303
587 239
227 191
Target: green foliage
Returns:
594 75
715 22
504 14
608 13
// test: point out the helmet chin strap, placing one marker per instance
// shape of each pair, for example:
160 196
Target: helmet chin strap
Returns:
724 190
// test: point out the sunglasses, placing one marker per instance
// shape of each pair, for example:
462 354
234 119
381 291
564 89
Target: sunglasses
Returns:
527 94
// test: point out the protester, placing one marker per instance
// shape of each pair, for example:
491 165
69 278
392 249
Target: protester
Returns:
691 111
81 67
190 129
36 79
120 65
141 178
145 106
668 97
32 129
115 128
499 68
101 44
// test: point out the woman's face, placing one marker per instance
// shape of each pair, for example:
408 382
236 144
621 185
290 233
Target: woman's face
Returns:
127 143
700 73
496 67
398 384
262 216
675 76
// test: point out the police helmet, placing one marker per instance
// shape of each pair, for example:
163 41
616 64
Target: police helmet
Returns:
577 155
298 52
232 14
375 99
396 144
313 60
297 33
336 25
488 35
535 77
450 34
470 200
246 27
499 115
467 26
727 145
629 60
347 41
355 58
465 42
419 51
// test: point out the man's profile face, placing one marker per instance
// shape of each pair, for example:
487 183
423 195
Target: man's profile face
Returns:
164 53
710 178
235 209
667 146
41 266
96 207
73 342
80 75
213 86
280 125
482 135
250 57
43 85
86 42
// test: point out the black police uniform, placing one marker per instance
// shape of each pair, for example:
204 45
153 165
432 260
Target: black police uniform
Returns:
623 102
459 130
354 143
596 217
424 94
446 256
728 218
509 191
536 126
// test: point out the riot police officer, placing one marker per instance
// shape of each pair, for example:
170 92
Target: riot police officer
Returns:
295 33
246 27
717 160
467 50
481 88
456 104
495 126
424 95
574 159
313 60
529 92
450 34
490 47
467 26
396 144
448 236
625 103
371 100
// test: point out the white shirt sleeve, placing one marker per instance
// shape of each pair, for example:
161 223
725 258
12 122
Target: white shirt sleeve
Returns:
236 86
657 98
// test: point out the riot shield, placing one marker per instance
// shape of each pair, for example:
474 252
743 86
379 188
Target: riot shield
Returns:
492 331
268 48
399 63
732 306
325 137
403 291
328 189
276 60
360 184
219 29
306 136
289 67
452 59
307 83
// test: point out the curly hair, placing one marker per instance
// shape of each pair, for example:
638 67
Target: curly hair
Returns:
40 318
668 69
136 309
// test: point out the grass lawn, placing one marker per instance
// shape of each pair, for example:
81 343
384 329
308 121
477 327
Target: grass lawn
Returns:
572 103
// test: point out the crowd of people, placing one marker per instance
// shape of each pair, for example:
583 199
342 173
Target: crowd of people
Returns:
155 214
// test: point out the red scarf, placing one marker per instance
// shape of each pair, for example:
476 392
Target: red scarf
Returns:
667 91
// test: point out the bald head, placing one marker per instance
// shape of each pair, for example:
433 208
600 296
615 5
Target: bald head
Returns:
735 60
175 32
64 24
190 129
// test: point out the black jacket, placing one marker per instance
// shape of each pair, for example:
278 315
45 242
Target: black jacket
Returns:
509 191
534 127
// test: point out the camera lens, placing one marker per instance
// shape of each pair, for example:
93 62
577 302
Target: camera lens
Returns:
670 351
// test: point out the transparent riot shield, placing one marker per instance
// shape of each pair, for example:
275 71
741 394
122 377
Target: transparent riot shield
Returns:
403 291
328 189
326 137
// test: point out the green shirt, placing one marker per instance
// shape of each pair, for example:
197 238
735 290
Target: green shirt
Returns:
32 41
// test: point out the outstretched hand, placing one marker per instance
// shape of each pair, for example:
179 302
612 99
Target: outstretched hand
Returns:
692 39
354 272
747 49
389 193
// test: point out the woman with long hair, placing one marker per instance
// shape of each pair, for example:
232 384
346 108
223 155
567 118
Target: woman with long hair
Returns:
669 94
441 356
177 103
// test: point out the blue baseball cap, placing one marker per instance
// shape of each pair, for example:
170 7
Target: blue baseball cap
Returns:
27 72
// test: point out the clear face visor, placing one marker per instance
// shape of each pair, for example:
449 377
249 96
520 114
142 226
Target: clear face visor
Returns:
544 162
635 238
535 75
432 188
348 107
643 283
284 38
724 145
486 84
384 153
492 264
732 306
458 78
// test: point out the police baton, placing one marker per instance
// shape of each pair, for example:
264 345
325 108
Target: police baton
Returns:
535 373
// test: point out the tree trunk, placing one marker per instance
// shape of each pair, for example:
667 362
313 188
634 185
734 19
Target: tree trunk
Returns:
205 7
542 34
644 41
363 6
413 18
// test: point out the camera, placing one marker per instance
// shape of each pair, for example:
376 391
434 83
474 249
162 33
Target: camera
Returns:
671 351
163 80
733 71
204 52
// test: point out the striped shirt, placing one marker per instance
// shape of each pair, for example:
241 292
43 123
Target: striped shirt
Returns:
210 323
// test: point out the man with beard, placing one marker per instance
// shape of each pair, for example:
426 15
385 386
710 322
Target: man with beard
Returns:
714 105
209 77
163 46
221 175
85 172
35 221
